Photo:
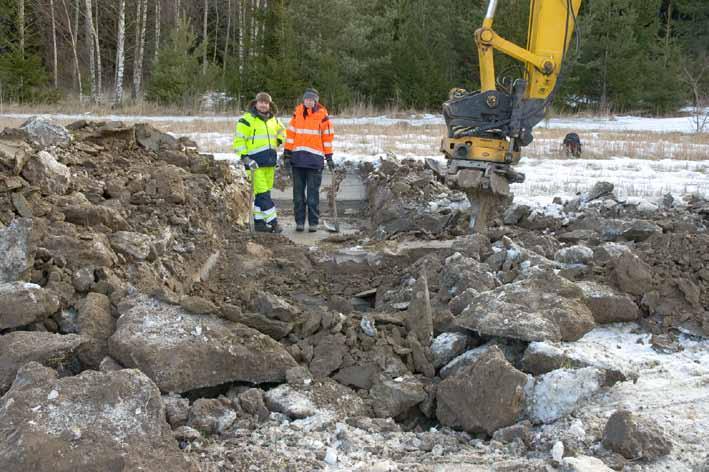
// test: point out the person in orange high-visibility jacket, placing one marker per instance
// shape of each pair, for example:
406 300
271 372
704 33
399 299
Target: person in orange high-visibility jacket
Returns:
308 146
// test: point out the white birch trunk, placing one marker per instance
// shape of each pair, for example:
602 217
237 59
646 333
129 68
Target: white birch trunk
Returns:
141 14
204 36
227 38
21 25
120 52
157 29
92 51
54 45
216 31
99 68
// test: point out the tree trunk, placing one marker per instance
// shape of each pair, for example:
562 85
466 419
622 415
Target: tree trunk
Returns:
99 68
177 12
216 31
120 52
204 37
141 16
227 38
72 34
91 44
21 25
54 45
157 29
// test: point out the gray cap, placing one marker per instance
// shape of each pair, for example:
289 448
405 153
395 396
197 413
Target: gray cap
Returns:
311 93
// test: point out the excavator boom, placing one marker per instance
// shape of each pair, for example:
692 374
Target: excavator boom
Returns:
487 128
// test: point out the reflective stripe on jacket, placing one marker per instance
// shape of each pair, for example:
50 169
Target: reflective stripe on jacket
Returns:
258 138
309 136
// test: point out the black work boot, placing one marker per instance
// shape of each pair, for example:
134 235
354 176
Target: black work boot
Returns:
261 227
300 227
276 228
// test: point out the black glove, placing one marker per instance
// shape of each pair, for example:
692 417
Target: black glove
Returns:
287 154
287 164
249 164
330 163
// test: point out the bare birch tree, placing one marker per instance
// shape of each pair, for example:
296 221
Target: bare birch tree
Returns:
120 52
158 14
141 17
21 25
99 68
91 45
204 36
54 44
227 37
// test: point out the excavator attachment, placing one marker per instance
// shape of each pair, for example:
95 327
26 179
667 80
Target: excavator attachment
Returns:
488 128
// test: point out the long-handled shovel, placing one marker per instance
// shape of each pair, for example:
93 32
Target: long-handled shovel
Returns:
333 205
252 229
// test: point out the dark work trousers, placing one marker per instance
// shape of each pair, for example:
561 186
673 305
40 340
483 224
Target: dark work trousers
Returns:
306 189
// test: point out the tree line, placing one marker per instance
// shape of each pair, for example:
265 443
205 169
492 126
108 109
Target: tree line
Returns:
628 55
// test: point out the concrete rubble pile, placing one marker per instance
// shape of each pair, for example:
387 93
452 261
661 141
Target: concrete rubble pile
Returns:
130 278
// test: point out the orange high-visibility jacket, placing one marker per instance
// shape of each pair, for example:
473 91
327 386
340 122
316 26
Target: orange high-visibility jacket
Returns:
309 137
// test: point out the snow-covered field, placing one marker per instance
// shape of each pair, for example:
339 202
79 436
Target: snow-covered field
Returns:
642 157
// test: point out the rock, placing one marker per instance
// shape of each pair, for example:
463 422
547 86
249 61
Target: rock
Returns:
153 139
447 346
172 347
274 306
422 364
515 214
583 464
274 328
520 431
185 434
634 437
630 274
641 230
574 255
135 246
543 306
52 350
109 364
93 421
360 376
23 303
44 133
540 358
170 184
390 398
292 403
462 361
299 376
578 235
83 279
95 322
558 393
607 305
252 402
599 190
484 397
177 410
211 415
16 249
78 253
198 305
328 355
460 302
460 273
419 317
14 154
45 172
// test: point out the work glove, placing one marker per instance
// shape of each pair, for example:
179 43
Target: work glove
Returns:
249 164
330 164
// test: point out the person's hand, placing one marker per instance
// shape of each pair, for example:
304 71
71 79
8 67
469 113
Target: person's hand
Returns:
330 163
287 165
249 164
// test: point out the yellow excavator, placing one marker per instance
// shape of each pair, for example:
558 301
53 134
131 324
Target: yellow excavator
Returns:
487 128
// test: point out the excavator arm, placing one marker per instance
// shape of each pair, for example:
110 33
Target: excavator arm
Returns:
488 128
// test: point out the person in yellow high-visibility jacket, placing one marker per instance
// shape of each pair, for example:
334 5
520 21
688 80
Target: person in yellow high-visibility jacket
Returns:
259 133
